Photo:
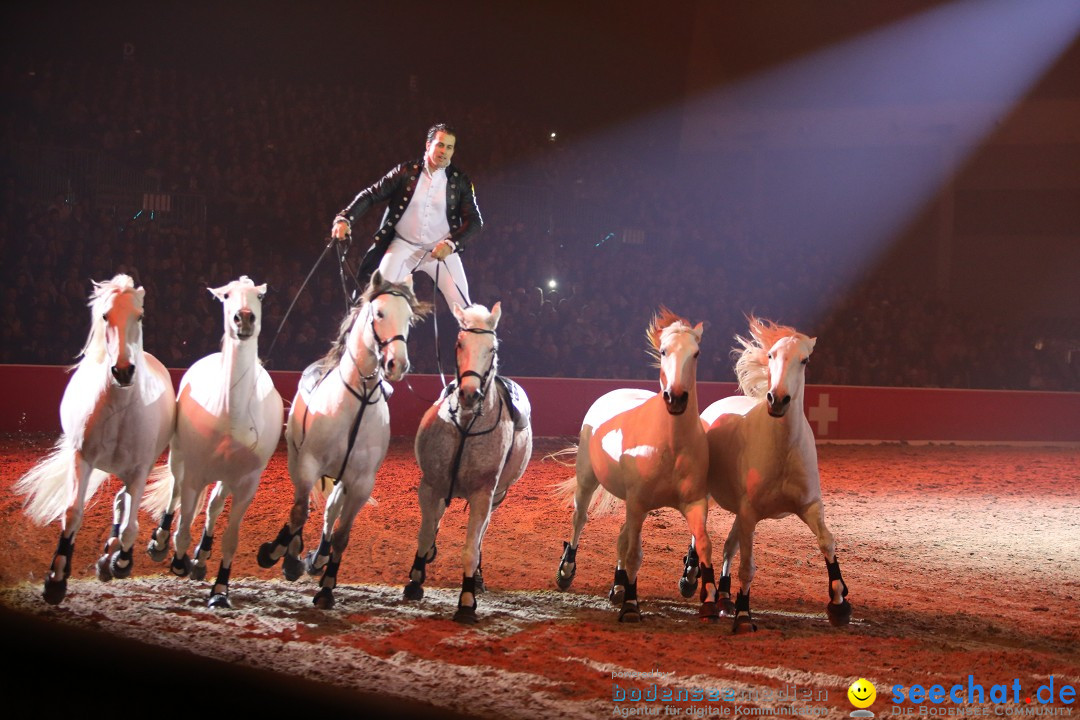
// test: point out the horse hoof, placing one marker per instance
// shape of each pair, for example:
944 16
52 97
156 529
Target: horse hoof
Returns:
630 613
120 571
727 608
291 567
743 624
156 554
265 556
104 574
55 591
180 567
219 601
708 612
466 615
414 591
688 586
839 615
617 594
311 566
324 599
564 582
198 572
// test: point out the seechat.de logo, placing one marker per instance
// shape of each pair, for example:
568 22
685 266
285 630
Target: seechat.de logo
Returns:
973 692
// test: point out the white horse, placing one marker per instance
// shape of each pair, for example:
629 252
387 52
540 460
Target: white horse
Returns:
763 461
117 416
339 428
228 423
474 443
649 450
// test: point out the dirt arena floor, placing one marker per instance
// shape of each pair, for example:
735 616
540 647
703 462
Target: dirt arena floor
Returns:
962 561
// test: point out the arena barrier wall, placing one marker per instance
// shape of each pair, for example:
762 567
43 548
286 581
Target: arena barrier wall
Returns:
31 403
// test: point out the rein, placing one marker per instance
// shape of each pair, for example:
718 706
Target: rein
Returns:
464 433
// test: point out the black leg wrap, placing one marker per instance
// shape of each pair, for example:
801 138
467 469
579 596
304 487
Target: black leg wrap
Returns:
834 574
725 584
223 575
707 575
284 537
115 530
564 579
466 614
420 564
744 621
569 554
709 612
324 546
166 522
629 612
742 602
631 591
207 542
331 569
66 546
468 584
691 557
125 555
621 578
839 613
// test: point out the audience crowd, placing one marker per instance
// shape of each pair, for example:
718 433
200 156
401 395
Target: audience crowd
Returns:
580 246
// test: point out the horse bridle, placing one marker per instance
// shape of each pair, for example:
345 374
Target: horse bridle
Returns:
485 379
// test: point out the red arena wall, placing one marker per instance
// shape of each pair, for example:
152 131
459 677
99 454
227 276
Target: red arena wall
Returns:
837 413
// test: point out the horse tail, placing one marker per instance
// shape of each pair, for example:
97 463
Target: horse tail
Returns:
602 503
159 491
50 485
322 489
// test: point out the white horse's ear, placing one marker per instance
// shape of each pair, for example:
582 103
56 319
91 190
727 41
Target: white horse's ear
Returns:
407 282
458 313
698 330
376 279
813 342
496 313
219 293
140 292
261 289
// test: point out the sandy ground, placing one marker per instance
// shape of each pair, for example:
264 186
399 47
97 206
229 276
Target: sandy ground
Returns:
961 561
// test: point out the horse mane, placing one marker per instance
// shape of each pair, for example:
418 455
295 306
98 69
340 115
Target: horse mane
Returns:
337 348
94 349
664 321
752 358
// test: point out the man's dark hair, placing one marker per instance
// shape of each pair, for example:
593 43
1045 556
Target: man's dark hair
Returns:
443 127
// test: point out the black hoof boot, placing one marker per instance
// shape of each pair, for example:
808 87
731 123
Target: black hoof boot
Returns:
324 599
617 594
180 567
312 566
158 547
466 614
839 613
198 571
55 591
691 571
629 612
563 577
198 568
414 591
292 567
219 601
744 621
265 556
724 604
121 563
709 611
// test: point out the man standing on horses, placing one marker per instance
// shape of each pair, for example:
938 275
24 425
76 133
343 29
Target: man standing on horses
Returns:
431 213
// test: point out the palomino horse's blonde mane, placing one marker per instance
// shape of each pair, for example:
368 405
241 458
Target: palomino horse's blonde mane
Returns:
664 322
752 361
94 349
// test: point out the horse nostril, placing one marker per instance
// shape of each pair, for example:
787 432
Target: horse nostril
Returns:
787 399
770 398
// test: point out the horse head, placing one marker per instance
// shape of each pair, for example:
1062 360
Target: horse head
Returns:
116 334
393 309
477 351
676 345
242 306
776 374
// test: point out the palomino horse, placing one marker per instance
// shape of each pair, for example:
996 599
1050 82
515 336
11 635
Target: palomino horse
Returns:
763 462
117 417
227 427
649 450
339 428
474 443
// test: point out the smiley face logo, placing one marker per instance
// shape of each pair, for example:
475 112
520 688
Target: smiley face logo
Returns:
862 693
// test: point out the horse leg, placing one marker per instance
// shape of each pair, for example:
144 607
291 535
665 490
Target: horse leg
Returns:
214 506
696 515
838 609
691 571
120 504
479 574
432 507
55 589
289 542
189 501
731 546
158 547
316 560
586 488
744 621
630 558
242 496
339 540
126 523
479 515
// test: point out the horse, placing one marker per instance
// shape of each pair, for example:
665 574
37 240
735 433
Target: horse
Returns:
649 450
339 428
117 416
229 420
763 462
473 443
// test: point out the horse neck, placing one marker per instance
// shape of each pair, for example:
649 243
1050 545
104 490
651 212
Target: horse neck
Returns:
358 361
239 362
